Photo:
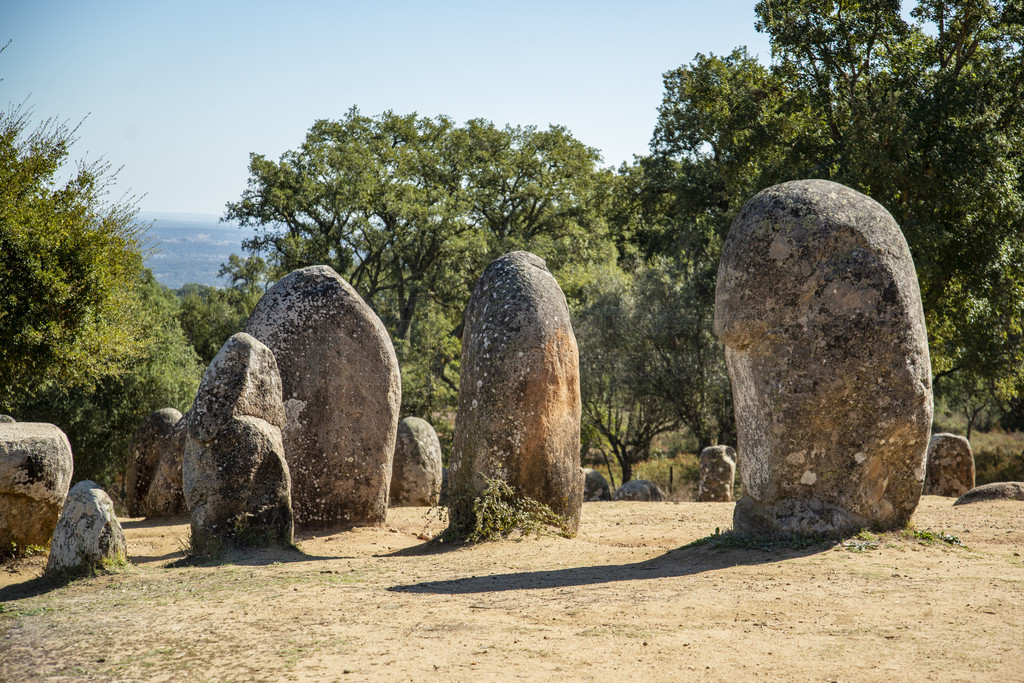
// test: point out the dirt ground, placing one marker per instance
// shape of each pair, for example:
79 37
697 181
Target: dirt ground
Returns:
627 599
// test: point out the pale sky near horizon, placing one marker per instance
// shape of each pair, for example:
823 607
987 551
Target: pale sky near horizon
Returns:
178 94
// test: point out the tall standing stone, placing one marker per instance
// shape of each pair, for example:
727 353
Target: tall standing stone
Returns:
153 479
717 474
818 306
950 470
234 474
342 392
35 473
519 393
416 470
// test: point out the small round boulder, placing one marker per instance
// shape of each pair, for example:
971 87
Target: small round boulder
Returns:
87 534
640 490
999 490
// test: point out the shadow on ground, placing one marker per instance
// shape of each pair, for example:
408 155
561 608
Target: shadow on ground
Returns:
686 561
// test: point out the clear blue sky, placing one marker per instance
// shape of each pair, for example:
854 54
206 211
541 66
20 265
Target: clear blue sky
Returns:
179 93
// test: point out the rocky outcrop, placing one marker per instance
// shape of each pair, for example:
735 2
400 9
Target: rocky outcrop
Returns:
519 395
717 474
640 490
950 470
236 480
818 305
416 469
87 534
595 486
999 490
342 392
35 473
153 479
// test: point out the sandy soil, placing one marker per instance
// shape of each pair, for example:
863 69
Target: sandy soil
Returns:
626 599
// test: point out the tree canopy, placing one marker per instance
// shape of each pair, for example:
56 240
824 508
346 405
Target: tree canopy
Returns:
410 210
69 264
924 115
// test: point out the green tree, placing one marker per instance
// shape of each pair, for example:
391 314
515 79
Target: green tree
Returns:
617 359
101 416
411 209
69 264
209 315
925 116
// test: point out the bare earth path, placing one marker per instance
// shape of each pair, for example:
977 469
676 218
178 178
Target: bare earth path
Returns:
626 599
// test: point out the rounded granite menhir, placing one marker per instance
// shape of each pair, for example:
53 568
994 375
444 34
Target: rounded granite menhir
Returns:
342 392
35 473
234 474
818 305
950 470
717 474
519 391
153 480
416 470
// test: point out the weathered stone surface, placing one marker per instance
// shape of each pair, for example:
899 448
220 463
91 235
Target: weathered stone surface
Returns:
235 478
443 498
595 486
153 479
342 392
818 305
519 394
35 473
640 490
950 470
999 490
87 533
6 418
416 469
717 474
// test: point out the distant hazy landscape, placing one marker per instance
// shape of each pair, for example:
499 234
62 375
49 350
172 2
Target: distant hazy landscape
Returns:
191 247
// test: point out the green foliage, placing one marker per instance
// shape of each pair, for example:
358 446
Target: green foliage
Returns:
925 116
649 362
100 417
998 464
411 209
500 511
69 265
210 315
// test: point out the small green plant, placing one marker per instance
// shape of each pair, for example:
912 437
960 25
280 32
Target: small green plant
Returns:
499 511
928 538
19 551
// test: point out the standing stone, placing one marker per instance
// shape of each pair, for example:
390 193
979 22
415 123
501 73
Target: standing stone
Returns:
717 474
640 490
818 306
342 392
35 473
416 471
519 392
235 477
153 480
950 466
87 533
595 486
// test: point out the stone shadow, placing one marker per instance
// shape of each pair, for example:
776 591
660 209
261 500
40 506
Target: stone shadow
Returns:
696 558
